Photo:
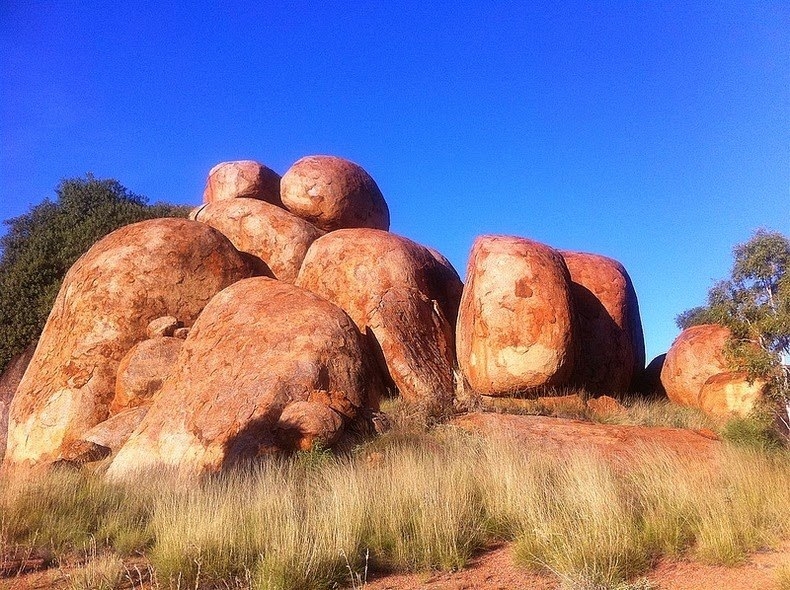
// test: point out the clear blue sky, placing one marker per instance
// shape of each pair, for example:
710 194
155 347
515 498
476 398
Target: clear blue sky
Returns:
655 133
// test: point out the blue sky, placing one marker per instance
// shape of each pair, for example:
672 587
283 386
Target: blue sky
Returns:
655 133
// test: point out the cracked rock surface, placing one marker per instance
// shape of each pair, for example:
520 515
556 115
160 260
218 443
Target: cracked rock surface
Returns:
242 179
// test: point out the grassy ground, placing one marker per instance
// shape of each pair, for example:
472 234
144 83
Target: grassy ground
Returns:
413 499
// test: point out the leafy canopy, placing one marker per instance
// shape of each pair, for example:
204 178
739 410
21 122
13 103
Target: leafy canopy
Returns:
41 245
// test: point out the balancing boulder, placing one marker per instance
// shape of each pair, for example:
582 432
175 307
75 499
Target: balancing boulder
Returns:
242 179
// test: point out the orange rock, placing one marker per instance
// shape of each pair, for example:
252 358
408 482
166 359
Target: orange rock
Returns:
9 381
605 406
695 356
142 371
611 344
164 326
116 430
515 327
242 179
388 284
277 237
307 425
333 193
133 275
730 393
259 346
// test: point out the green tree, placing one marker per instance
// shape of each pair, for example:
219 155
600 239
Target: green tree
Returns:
755 304
41 245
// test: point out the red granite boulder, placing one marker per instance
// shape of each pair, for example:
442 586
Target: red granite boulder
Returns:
242 179
133 275
515 329
695 356
277 237
731 393
611 344
142 371
9 381
258 347
334 193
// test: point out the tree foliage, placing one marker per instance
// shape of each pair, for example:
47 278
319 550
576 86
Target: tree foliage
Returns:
755 304
41 245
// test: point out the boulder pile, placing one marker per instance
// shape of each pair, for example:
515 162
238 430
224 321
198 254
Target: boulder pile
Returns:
276 317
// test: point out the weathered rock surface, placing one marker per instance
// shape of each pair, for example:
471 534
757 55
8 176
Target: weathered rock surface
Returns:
142 371
611 344
605 406
258 346
305 425
242 179
515 328
9 381
134 275
116 430
334 193
164 326
695 356
388 284
730 393
277 237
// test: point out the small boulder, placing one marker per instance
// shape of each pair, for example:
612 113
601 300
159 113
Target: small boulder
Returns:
695 356
82 451
308 425
605 406
242 179
259 346
275 236
515 329
164 326
333 193
731 393
142 371
181 333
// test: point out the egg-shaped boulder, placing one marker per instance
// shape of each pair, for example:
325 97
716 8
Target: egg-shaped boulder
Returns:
143 370
109 296
258 347
242 179
611 351
334 193
695 356
270 233
731 393
515 329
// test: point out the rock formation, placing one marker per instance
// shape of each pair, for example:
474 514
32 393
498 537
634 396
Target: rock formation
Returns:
259 346
133 275
728 394
142 371
9 381
242 179
333 193
515 329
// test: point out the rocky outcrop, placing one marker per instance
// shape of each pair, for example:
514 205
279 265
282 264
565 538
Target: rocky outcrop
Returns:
142 371
242 179
275 236
9 381
129 278
515 329
259 346
333 193
611 346
731 393
649 381
694 357
401 295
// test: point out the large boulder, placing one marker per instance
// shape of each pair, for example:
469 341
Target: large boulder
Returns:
9 381
400 294
694 357
242 179
731 393
648 383
258 347
130 277
611 343
142 371
275 236
333 193
515 329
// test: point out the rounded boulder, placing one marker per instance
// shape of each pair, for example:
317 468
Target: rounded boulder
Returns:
142 371
242 179
731 393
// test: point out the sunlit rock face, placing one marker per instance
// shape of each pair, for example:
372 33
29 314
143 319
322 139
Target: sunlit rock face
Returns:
731 393
242 179
515 329
127 279
258 348
334 193
610 339
9 381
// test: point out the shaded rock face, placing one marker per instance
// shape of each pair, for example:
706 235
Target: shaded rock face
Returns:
333 193
242 179
258 347
9 381
730 393
694 357
142 371
611 345
649 381
270 233
133 275
515 327
388 285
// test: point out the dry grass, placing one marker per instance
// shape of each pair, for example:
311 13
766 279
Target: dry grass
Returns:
414 499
